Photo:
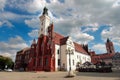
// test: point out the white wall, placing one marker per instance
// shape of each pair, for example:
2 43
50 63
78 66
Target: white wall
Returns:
77 57
57 56
81 57
63 57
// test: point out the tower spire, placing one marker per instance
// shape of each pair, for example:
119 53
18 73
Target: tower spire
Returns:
34 41
45 11
108 40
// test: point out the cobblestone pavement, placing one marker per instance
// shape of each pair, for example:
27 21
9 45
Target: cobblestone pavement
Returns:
58 76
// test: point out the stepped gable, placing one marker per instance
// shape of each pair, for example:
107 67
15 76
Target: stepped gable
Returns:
61 40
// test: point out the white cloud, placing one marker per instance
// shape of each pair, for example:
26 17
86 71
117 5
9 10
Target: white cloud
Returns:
6 23
6 54
116 4
31 6
33 23
35 5
80 37
13 16
33 33
1 23
113 33
2 4
71 14
100 48
12 46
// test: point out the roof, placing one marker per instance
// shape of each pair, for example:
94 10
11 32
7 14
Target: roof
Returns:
23 50
79 48
57 38
105 55
61 40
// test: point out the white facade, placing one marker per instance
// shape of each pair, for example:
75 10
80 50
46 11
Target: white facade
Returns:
45 22
64 57
57 57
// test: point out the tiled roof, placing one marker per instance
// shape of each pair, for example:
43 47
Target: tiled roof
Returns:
23 50
57 38
105 55
61 40
79 48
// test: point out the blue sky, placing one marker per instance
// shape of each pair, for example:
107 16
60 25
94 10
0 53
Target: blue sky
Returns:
86 21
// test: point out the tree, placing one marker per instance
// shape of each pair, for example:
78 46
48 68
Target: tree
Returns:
6 61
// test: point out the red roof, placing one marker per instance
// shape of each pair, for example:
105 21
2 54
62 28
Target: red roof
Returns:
61 40
79 48
57 38
104 56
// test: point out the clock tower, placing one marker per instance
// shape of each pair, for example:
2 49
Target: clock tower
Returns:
45 22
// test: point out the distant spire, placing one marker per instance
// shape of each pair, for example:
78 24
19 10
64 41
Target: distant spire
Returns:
34 41
45 11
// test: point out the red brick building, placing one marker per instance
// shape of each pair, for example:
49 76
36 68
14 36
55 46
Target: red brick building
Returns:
49 52
106 57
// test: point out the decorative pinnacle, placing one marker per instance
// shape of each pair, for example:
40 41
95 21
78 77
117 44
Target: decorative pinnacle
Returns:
45 11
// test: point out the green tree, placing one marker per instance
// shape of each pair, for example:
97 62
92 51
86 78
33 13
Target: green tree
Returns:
6 61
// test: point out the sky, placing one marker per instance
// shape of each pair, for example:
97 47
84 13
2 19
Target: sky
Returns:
86 21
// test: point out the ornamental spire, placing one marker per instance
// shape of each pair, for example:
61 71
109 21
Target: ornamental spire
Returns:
108 40
45 11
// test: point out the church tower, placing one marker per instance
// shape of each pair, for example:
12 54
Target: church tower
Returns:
45 59
45 22
109 46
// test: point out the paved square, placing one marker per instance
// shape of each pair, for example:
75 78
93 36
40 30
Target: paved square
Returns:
58 76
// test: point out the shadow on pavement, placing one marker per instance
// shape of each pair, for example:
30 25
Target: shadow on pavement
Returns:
98 74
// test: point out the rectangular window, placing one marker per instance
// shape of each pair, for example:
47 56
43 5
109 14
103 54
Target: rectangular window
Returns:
73 62
77 56
34 62
58 62
40 62
58 51
46 61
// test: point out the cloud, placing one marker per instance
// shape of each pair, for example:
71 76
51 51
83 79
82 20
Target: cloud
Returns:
80 37
84 15
33 33
91 27
30 6
113 33
6 23
6 54
11 16
99 48
12 46
2 4
116 4
33 23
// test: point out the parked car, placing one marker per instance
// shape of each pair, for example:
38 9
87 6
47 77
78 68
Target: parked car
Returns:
8 70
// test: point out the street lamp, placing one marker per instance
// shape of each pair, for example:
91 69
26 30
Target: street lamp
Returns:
70 51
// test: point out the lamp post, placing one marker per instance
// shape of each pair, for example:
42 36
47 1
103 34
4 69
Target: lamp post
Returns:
69 52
